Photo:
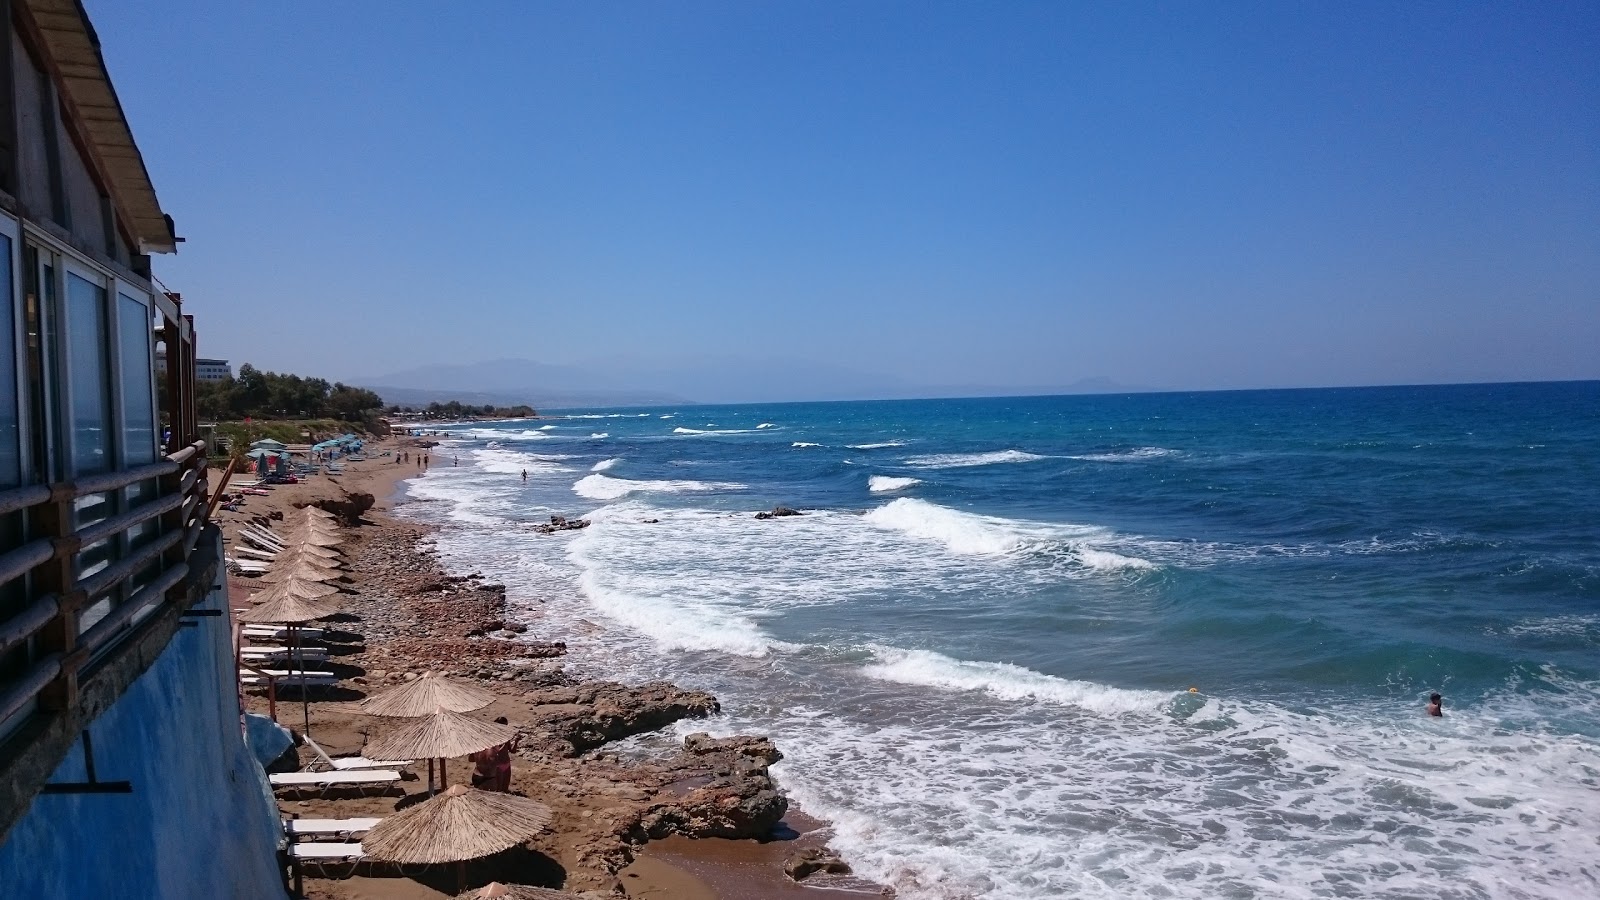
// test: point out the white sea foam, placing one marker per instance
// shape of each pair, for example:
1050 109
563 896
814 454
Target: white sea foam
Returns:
1006 681
681 430
961 532
600 434
1106 561
604 487
804 444
1140 454
548 427
884 484
605 464
669 417
766 425
964 460
497 434
877 446
503 461
1070 550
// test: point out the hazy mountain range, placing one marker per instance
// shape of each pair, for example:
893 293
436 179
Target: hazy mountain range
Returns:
705 380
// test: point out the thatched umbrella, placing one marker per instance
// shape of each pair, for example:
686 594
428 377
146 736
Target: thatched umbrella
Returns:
292 611
310 550
443 735
494 890
313 537
303 568
426 696
458 824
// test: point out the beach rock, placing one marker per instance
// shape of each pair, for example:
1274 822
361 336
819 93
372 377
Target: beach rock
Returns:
592 714
779 512
517 628
349 508
812 860
745 746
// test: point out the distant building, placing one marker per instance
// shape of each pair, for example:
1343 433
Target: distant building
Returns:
204 369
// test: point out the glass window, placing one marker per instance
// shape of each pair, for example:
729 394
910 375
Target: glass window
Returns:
138 411
86 355
10 414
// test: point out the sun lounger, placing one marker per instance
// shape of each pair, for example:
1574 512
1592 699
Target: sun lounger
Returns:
252 553
352 763
287 679
255 654
323 782
342 828
280 633
246 566
322 855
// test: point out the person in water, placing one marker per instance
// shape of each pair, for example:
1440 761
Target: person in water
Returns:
524 476
1435 705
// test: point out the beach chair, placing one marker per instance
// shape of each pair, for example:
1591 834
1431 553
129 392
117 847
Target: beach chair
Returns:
279 633
323 782
337 828
252 553
351 763
283 654
246 567
323 855
286 679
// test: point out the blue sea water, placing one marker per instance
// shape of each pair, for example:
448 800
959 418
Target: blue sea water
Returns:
976 646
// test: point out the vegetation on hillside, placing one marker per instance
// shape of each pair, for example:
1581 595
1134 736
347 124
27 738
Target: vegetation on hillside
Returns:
255 394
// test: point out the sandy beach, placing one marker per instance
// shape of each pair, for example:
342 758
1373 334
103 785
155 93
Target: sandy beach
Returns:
706 823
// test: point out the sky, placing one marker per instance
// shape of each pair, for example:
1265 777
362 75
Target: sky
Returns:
1168 195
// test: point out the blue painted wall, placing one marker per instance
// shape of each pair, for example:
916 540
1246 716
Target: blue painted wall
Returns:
201 821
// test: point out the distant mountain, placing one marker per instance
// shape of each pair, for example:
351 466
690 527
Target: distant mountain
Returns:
621 382
509 382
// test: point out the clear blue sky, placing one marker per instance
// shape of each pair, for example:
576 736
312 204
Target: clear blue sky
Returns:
1182 195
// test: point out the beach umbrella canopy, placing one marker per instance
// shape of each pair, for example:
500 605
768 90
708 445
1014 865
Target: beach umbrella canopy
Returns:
444 734
288 610
309 550
314 537
459 824
306 568
299 588
494 890
425 697
268 444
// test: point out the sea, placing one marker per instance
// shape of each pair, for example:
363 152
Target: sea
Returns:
1150 645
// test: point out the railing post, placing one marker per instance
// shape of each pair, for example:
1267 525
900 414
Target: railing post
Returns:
60 635
172 483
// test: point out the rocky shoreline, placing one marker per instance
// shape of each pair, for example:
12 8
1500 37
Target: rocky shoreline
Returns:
407 615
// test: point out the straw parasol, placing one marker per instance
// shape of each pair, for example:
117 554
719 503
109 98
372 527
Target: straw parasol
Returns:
296 587
426 696
292 611
494 890
303 568
459 824
444 734
309 550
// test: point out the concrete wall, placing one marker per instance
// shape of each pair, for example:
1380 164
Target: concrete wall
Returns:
201 821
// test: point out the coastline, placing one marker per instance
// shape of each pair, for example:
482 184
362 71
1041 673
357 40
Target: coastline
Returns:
706 823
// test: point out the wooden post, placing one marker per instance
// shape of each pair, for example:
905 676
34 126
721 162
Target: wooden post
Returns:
171 336
56 576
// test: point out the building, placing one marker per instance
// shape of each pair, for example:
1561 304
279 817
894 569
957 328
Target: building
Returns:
204 369
123 768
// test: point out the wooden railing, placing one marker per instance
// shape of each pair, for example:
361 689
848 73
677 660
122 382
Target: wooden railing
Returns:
62 648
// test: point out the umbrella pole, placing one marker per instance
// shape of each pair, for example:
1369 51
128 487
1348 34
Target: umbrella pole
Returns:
430 775
295 654
461 877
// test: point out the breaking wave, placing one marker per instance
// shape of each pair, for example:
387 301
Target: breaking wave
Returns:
963 460
883 484
604 487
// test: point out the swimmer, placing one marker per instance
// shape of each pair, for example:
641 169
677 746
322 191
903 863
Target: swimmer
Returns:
1435 705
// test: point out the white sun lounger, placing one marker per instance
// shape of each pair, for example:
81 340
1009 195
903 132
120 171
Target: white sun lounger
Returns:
315 654
334 827
326 781
279 633
252 553
352 763
321 855
247 566
288 680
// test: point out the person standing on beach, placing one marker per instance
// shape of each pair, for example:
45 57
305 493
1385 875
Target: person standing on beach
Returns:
1435 705
492 767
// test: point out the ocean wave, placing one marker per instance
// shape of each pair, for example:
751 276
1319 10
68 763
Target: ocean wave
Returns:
604 487
681 430
1137 455
599 434
676 626
605 464
607 416
498 434
1079 549
503 461
804 444
883 484
878 446
1007 681
964 460
766 425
